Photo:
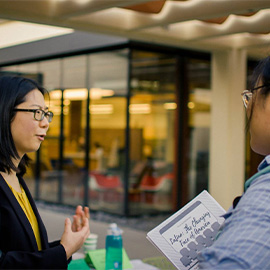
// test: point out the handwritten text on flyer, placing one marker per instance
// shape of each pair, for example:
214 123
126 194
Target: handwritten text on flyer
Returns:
191 226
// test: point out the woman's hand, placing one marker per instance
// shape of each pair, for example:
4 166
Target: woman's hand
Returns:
75 234
78 218
72 241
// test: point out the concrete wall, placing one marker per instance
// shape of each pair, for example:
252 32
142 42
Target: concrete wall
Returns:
227 137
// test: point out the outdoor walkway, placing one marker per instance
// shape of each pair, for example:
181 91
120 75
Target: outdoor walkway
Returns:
134 240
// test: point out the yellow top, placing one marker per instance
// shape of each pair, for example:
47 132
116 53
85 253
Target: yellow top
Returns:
27 208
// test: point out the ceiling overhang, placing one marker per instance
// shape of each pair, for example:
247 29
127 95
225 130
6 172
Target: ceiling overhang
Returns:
197 24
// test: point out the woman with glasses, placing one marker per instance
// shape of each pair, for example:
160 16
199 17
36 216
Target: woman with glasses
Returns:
24 122
243 241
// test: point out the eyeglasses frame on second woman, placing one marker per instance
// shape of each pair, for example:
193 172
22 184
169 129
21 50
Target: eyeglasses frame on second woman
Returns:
247 94
48 115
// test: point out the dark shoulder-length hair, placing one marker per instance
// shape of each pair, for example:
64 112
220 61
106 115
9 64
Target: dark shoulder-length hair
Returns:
260 77
13 90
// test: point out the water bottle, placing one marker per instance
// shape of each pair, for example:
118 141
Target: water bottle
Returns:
114 256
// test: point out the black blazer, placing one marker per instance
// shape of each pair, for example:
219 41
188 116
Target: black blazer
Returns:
18 247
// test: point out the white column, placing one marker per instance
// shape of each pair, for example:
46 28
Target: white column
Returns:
227 137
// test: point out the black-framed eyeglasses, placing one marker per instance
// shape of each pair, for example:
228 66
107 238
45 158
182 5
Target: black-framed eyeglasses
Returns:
247 94
38 114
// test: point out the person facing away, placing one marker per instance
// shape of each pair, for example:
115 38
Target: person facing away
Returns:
24 243
243 242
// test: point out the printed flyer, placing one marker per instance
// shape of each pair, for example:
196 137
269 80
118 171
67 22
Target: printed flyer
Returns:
188 231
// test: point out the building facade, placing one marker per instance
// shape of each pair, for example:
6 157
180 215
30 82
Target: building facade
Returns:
137 128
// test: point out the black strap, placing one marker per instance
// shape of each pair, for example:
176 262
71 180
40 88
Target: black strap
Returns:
236 201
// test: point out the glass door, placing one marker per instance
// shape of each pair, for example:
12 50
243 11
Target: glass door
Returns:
152 134
199 106
108 76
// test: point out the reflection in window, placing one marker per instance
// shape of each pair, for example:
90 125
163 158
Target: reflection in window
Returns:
108 92
199 123
152 113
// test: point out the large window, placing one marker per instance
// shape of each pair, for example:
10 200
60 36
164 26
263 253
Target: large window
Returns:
114 141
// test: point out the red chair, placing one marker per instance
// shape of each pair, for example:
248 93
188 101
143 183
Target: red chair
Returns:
156 190
108 187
